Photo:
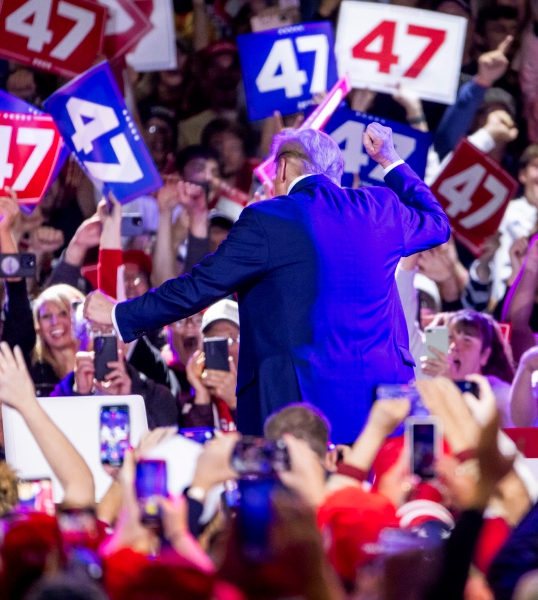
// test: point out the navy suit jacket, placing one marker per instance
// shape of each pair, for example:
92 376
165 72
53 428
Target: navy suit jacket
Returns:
321 318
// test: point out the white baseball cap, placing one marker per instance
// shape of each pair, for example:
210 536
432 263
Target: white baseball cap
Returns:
223 310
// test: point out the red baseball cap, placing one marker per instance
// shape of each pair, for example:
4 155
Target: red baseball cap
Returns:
354 518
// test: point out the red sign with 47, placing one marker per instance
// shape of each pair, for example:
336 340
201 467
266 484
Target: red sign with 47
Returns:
474 191
62 36
29 148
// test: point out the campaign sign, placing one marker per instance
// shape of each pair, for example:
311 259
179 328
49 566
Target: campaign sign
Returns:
9 103
95 123
283 68
474 191
125 27
29 149
381 45
61 36
156 51
346 128
266 170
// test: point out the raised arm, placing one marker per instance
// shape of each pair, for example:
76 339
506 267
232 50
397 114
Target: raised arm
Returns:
17 391
241 258
519 303
424 222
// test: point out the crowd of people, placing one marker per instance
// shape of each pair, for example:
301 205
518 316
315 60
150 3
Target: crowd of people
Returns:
336 521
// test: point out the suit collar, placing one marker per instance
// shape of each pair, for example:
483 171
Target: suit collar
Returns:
310 180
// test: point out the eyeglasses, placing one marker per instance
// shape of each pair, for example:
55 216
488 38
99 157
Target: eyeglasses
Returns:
195 320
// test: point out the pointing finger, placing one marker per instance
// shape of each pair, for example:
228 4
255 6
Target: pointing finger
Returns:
505 44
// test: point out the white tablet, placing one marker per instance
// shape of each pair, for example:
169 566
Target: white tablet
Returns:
78 417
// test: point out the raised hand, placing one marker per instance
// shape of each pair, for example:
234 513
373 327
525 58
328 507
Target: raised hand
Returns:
379 144
86 236
9 209
16 387
501 127
168 195
192 196
84 372
493 65
222 384
46 239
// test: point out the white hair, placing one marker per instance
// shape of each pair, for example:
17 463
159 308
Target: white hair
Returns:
319 153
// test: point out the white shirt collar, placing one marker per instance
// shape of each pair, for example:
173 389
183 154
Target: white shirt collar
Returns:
296 180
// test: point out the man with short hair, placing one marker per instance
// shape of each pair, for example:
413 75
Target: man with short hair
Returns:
305 422
321 319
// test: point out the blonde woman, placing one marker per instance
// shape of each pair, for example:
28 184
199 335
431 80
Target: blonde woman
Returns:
56 346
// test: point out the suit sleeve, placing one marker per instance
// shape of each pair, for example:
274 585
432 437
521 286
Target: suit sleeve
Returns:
424 223
243 257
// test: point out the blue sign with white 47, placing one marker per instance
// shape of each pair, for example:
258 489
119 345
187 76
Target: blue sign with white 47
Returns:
283 68
92 117
346 128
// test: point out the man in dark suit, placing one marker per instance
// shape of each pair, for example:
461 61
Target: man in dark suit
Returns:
320 316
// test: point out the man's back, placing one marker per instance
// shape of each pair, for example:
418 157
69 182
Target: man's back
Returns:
325 323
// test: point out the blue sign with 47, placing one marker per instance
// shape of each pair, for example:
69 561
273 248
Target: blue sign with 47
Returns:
283 68
92 117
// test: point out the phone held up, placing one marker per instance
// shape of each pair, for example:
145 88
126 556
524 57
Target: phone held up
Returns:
151 486
216 354
436 337
105 348
114 434
423 437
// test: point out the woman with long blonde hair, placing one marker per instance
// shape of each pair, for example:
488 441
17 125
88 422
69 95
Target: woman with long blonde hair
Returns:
55 349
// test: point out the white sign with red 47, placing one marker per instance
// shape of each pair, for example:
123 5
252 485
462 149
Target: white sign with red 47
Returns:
381 45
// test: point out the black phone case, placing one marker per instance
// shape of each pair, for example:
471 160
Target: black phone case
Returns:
106 350
216 354
17 265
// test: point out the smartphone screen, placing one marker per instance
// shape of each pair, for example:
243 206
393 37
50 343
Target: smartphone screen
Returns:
114 434
150 486
36 495
198 434
216 354
423 449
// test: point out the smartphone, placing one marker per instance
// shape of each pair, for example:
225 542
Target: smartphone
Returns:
132 224
258 457
17 265
150 486
198 434
105 348
216 354
36 495
254 516
437 337
114 434
468 386
423 439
